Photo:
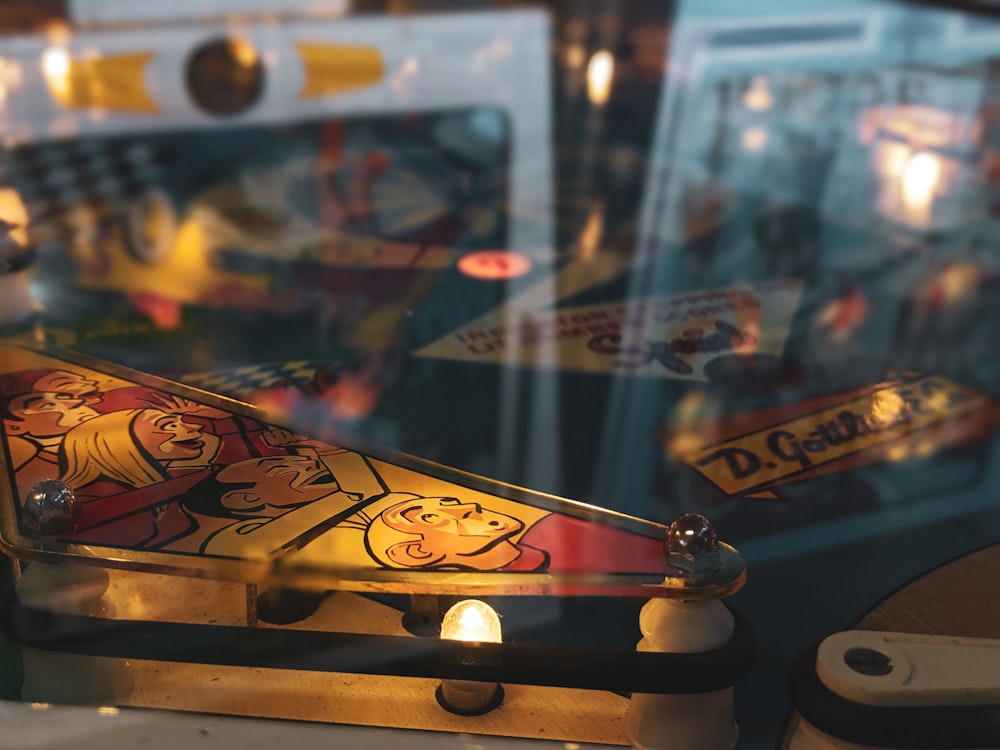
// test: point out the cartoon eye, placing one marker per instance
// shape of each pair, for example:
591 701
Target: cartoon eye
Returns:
64 396
429 517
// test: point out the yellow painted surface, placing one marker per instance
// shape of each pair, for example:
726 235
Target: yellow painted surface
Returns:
335 68
116 82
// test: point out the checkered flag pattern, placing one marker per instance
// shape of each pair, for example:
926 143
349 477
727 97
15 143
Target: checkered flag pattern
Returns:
241 382
56 179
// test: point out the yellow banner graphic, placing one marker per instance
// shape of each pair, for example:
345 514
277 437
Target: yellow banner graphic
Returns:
335 68
115 82
879 420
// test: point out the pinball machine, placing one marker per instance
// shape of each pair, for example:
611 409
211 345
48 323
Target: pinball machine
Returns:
497 374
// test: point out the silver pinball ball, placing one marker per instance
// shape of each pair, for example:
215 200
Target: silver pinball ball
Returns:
50 508
691 534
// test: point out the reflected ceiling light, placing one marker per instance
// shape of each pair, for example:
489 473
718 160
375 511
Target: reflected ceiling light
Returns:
886 407
575 56
7 72
956 283
13 213
244 53
410 66
600 73
592 232
754 139
758 97
920 180
56 67
891 158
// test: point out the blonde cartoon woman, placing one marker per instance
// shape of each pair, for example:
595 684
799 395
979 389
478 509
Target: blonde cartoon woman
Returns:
124 467
134 448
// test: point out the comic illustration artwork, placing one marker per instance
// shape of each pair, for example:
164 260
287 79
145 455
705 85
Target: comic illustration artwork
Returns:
183 478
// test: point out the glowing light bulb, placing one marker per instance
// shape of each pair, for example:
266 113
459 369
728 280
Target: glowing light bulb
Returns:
600 73
472 621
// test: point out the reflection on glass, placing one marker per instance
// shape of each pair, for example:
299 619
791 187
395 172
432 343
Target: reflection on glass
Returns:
56 67
920 179
754 139
891 158
887 406
758 97
13 213
575 56
600 73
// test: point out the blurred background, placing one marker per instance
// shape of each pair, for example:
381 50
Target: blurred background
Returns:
600 249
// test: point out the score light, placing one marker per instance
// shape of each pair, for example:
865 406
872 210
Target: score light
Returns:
494 265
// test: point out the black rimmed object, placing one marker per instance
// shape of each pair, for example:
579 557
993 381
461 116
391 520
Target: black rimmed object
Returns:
916 727
404 656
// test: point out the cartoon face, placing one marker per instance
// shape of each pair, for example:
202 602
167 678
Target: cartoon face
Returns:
277 483
452 526
48 413
167 437
60 381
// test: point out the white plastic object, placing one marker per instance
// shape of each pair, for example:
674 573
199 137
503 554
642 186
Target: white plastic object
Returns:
914 670
699 721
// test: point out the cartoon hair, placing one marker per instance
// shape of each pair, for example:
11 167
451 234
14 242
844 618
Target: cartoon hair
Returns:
390 545
395 540
205 497
95 448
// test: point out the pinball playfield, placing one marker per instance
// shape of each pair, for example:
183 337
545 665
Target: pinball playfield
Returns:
550 374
